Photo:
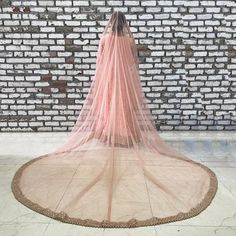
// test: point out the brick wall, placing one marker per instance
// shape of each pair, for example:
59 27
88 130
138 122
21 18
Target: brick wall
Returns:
187 52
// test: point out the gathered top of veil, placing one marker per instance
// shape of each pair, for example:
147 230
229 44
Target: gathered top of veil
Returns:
118 32
117 26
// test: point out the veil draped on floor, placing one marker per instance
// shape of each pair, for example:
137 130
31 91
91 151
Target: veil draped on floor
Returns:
114 170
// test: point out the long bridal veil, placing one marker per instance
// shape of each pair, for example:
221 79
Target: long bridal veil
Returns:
114 170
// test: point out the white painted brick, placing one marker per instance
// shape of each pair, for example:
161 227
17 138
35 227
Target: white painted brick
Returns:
64 17
51 112
145 16
4 16
81 3
59 128
115 3
149 3
44 129
35 123
3 124
64 3
208 3
11 22
46 3
67 123
131 3
56 48
51 123
191 3
98 3
77 23
35 113
38 23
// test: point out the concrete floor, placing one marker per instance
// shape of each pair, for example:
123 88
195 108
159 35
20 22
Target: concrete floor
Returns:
214 149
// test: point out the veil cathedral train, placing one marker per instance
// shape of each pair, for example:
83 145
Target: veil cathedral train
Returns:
114 170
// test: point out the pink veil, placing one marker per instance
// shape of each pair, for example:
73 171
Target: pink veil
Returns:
114 170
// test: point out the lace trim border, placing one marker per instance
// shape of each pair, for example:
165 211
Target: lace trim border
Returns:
63 217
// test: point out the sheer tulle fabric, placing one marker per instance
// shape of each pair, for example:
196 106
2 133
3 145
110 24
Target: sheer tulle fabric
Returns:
114 170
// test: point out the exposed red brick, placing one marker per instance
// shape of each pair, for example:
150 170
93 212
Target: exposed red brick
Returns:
48 66
68 41
189 51
16 9
70 60
46 78
142 47
62 90
46 90
57 83
231 51
26 9
70 101
53 54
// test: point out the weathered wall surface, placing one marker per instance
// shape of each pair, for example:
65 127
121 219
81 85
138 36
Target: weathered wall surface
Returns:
187 52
